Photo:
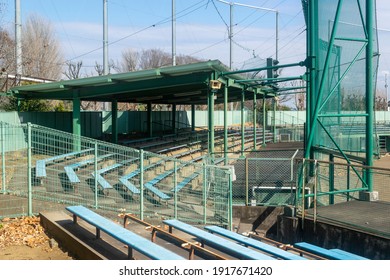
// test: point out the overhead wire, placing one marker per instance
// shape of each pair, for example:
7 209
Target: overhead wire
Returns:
180 14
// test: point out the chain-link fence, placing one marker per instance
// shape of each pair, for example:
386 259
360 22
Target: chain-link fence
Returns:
263 177
45 169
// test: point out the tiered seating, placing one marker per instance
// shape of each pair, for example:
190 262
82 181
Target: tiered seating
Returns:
40 165
70 170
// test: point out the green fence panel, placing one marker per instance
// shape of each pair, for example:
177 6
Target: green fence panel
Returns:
62 170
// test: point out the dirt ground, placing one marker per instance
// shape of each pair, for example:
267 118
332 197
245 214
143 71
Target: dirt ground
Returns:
26 239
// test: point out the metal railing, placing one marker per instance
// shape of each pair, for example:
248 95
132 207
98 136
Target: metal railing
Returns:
105 176
327 183
262 177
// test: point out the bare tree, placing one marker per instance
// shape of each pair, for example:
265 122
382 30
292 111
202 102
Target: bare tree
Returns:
130 60
40 49
299 97
111 66
73 71
7 65
99 68
6 52
186 59
154 58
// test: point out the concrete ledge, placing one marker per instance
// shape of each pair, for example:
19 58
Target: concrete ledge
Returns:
76 248
369 196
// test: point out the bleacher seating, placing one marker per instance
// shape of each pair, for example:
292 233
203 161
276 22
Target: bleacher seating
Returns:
247 241
132 240
217 242
332 254
40 166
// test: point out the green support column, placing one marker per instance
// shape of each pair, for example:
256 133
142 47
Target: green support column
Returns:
174 118
141 184
254 121
230 202
225 127
211 123
3 174
29 168
311 68
150 120
273 119
204 193
242 123
76 123
264 121
175 190
95 180
114 121
331 178
369 92
193 117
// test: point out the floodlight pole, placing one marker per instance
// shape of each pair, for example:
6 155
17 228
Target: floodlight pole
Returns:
105 45
18 39
173 32
105 38
387 98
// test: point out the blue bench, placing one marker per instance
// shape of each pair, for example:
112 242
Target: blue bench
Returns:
150 185
40 165
183 183
186 153
333 254
136 141
129 186
348 254
170 149
70 170
217 242
132 240
156 191
102 182
247 241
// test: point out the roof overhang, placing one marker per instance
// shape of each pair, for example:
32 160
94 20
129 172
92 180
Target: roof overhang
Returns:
182 84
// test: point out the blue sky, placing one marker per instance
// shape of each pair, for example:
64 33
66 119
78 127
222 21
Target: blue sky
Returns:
201 29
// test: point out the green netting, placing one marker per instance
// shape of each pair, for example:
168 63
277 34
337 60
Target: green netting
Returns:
341 75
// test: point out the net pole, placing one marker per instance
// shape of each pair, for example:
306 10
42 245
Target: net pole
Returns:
29 165
369 92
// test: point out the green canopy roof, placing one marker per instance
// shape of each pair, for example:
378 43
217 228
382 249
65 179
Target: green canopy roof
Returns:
182 84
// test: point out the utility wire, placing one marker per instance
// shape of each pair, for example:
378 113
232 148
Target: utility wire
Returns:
181 14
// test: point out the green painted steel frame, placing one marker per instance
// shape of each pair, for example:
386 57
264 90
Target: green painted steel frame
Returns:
316 84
